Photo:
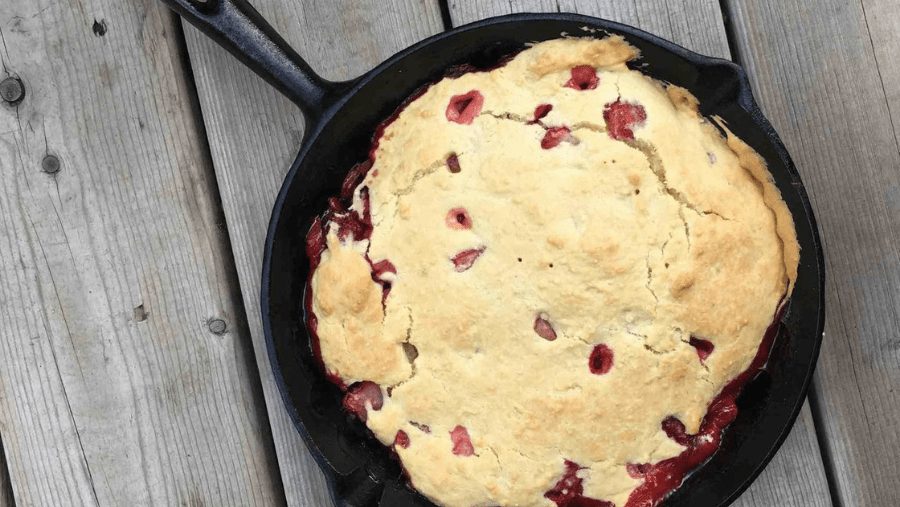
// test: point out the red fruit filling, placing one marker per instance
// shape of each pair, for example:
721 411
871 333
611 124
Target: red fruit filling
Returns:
361 393
584 77
621 118
402 439
378 270
704 347
554 136
462 444
458 218
453 163
601 360
637 470
350 223
353 179
540 112
464 108
662 478
543 328
465 259
569 492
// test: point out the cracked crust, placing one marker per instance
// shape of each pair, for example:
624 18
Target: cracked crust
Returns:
636 244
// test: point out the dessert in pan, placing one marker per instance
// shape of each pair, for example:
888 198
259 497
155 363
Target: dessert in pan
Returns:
550 281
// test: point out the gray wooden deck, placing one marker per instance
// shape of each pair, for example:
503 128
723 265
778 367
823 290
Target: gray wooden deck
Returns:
137 177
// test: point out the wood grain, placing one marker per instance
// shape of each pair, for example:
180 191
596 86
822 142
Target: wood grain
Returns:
254 135
883 25
113 390
694 24
828 79
796 476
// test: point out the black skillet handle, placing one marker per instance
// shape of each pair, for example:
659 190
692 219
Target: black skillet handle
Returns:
240 29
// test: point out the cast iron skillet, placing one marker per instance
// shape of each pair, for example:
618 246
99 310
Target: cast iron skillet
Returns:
341 119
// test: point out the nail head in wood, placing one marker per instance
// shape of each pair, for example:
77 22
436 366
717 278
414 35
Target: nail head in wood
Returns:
50 164
11 90
99 27
217 327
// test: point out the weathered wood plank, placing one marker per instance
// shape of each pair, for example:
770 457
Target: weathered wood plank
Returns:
828 79
698 26
883 24
694 24
113 389
795 476
254 135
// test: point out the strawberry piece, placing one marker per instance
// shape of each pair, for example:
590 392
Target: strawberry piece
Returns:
353 178
621 119
637 470
458 218
402 439
465 259
453 163
569 491
601 360
675 430
351 224
378 270
543 328
554 136
540 112
381 267
462 444
315 242
361 394
704 347
584 77
464 108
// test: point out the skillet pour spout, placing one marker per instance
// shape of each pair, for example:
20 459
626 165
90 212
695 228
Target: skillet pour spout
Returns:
341 121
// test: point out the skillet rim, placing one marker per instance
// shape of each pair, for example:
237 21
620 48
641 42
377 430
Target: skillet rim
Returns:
745 99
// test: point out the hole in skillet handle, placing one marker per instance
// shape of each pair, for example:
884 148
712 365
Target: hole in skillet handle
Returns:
205 6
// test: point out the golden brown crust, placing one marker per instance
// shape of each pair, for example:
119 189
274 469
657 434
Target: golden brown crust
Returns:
559 55
637 244
356 341
754 164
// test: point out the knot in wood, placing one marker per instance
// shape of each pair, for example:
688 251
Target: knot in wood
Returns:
50 164
217 327
12 90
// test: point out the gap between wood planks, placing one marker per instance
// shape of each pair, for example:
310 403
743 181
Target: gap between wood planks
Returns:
7 498
728 22
240 310
826 66
223 283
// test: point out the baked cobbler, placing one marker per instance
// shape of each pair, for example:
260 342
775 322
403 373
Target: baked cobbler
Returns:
550 281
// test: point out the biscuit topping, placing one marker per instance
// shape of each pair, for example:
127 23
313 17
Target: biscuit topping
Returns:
559 273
